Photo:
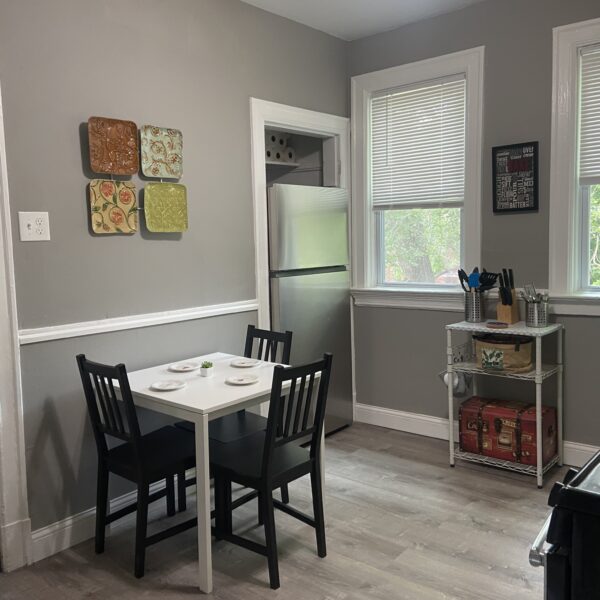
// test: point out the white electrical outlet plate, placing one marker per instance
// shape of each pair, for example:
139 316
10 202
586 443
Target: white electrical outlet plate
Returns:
34 226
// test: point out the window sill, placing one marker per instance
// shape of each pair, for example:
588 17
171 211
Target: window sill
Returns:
452 300
446 299
576 304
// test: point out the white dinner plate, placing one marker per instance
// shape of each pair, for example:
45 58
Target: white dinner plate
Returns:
167 386
184 367
242 380
244 363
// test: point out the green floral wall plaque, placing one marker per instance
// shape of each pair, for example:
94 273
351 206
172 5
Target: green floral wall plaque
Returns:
165 207
162 152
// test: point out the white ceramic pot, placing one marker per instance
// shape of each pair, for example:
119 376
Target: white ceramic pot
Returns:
204 372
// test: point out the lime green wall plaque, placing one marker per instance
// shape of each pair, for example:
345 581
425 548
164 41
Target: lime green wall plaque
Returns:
165 207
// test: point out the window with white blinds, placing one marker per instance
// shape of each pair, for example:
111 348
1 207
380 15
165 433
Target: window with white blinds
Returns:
589 128
417 145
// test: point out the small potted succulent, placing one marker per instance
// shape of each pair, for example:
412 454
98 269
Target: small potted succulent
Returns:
206 369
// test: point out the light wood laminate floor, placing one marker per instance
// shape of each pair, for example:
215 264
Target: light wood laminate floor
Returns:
401 524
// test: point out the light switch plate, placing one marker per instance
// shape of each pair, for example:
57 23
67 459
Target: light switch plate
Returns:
34 226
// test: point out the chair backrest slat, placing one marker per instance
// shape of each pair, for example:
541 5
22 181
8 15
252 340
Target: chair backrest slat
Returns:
110 415
112 410
272 346
290 410
307 406
101 400
287 406
120 424
299 405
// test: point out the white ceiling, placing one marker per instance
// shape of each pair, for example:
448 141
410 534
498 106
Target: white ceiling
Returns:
353 19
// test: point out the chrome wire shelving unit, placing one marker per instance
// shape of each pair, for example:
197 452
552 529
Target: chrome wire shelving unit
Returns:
460 359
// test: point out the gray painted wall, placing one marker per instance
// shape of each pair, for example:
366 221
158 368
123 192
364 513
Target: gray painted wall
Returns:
399 352
60 449
188 64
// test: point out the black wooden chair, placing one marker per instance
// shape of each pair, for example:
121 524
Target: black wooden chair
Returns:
261 344
142 459
268 460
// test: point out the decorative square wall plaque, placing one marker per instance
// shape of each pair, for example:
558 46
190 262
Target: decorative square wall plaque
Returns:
113 206
165 207
162 152
113 146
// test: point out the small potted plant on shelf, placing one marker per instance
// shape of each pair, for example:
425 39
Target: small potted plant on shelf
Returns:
206 369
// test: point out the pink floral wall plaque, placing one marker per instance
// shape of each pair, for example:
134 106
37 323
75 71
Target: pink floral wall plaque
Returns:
162 152
113 206
113 146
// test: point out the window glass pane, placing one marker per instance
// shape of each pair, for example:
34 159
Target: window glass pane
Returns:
594 254
421 245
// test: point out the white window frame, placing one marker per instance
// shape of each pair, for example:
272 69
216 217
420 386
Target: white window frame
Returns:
566 234
364 250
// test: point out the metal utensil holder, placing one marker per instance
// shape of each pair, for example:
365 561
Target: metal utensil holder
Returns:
474 307
537 314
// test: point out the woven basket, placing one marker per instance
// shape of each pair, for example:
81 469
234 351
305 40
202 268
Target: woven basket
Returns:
504 353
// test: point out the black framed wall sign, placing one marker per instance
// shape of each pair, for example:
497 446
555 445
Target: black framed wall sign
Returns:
515 177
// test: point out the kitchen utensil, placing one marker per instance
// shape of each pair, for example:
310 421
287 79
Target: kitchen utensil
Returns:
464 279
474 280
502 289
511 279
488 279
530 292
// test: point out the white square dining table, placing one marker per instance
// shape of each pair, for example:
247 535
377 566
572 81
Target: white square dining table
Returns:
200 401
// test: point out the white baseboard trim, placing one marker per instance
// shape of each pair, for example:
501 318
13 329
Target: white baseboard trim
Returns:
408 422
70 330
15 549
575 454
78 528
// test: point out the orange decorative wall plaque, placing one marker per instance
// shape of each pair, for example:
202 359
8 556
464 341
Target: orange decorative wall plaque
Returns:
113 206
113 146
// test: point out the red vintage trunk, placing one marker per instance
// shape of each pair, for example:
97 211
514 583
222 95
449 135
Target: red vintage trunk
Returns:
505 429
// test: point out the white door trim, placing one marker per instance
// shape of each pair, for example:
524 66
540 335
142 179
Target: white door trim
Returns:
15 526
273 115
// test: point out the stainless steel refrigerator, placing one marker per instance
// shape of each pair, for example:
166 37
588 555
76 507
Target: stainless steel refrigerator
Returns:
310 283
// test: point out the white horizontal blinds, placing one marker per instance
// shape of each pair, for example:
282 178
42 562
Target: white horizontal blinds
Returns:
418 145
589 132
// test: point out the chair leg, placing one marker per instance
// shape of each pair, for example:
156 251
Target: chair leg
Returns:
170 486
317 494
285 494
227 509
101 506
271 539
261 509
181 493
219 506
140 529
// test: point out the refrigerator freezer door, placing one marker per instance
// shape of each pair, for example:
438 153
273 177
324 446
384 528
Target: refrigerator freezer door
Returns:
317 309
308 227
